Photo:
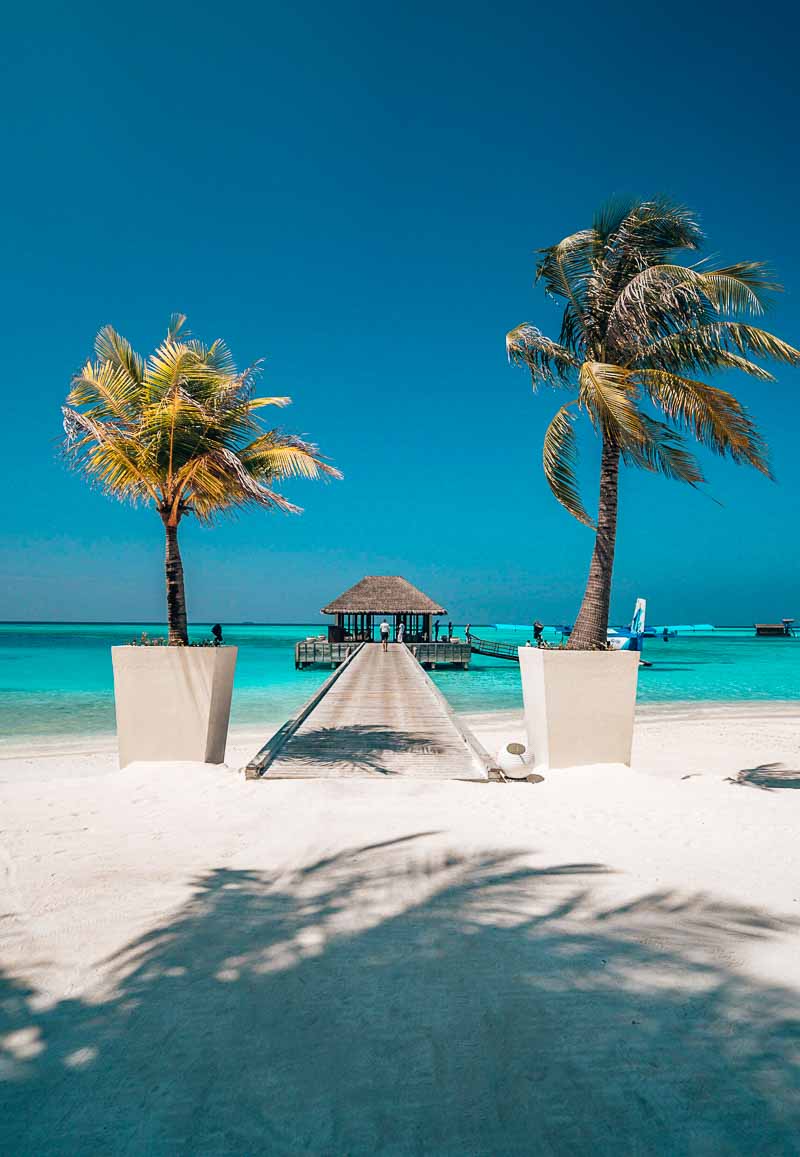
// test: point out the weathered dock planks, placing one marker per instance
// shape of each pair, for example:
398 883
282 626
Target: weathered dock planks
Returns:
379 715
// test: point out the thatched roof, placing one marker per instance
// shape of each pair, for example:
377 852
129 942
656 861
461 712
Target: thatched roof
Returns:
383 594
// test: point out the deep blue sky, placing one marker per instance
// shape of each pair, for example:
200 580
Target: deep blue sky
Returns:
355 191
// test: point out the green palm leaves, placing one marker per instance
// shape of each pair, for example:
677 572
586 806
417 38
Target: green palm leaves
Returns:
638 329
181 429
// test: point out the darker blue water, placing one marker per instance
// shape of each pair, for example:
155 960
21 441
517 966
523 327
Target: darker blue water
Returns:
55 679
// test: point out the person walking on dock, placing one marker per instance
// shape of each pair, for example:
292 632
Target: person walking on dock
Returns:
384 629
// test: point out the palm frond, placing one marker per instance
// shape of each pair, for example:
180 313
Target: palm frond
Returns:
257 403
655 228
661 299
611 214
113 460
661 450
223 481
645 236
547 361
706 347
609 394
176 326
717 419
108 392
566 269
743 287
276 455
729 361
559 459
112 347
563 268
173 363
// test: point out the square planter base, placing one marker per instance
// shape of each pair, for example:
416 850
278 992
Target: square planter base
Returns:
579 705
173 703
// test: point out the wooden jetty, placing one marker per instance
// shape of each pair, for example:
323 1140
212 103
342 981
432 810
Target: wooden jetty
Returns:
378 715
782 630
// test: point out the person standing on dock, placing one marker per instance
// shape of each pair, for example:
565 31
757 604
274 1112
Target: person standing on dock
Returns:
449 631
436 631
385 629
537 633
401 630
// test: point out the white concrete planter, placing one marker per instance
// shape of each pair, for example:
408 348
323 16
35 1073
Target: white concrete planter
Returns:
578 705
173 703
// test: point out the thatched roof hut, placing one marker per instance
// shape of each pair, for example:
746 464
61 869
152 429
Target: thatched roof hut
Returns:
383 594
387 595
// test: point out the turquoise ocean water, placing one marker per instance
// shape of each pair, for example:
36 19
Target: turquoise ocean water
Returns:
55 679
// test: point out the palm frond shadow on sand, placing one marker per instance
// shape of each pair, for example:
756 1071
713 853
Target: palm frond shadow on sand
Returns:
767 776
402 999
365 746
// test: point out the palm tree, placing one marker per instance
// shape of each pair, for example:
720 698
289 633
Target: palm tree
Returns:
637 331
180 431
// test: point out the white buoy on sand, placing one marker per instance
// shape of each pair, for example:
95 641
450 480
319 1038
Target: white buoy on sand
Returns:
513 760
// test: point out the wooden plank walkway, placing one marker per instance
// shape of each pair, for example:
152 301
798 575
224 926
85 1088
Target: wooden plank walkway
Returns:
381 716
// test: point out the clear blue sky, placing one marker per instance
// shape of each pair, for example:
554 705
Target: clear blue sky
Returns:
355 192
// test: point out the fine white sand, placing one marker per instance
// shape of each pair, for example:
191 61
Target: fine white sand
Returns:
604 963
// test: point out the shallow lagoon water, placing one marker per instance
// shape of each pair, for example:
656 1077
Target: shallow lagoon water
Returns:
55 679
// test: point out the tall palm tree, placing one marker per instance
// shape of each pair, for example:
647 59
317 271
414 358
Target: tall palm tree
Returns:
638 329
180 431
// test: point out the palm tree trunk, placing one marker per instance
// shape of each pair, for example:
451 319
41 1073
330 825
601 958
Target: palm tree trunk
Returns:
591 626
176 595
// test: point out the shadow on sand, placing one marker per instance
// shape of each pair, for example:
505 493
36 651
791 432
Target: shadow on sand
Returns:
767 776
480 1006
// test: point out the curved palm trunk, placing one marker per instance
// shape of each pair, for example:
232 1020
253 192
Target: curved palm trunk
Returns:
176 595
591 626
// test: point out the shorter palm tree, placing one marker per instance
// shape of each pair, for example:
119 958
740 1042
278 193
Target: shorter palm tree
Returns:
180 431
638 330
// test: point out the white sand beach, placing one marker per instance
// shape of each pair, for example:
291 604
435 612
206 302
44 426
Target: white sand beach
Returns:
604 963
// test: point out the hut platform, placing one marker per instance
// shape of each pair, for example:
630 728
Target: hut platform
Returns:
379 715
